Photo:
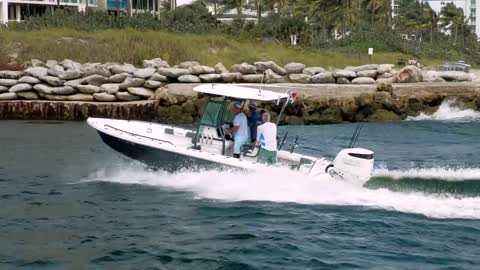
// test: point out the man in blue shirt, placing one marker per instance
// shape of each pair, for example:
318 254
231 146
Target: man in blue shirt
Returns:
254 120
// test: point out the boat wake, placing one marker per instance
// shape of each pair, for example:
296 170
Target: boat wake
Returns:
279 185
449 110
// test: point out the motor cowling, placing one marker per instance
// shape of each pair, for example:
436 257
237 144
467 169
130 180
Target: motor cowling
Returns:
352 164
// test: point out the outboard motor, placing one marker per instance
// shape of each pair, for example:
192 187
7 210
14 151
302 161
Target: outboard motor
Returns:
352 165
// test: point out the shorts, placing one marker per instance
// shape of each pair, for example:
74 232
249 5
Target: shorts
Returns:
238 142
267 157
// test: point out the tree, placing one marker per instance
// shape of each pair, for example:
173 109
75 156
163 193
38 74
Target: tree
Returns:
453 20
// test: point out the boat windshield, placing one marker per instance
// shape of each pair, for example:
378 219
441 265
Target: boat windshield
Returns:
212 115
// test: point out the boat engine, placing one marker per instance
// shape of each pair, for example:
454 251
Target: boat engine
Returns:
352 164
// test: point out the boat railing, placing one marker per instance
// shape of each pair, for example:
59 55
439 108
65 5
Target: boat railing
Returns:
138 135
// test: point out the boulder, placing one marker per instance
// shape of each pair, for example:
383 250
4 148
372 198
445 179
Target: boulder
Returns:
363 67
300 78
95 69
51 63
3 89
96 80
70 75
210 77
37 63
272 77
252 78
344 74
293 67
74 83
197 70
189 79
8 74
173 72
386 80
220 68
144 73
88 89
372 73
53 81
104 97
132 82
110 88
455 76
343 80
71 65
385 75
363 80
431 76
119 78
313 70
231 77
21 87
409 74
55 70
7 82
64 90
8 96
266 65
159 78
125 96
56 97
244 68
141 91
188 64
125 68
385 68
153 84
80 97
28 79
43 88
382 115
28 95
36 72
155 63
325 77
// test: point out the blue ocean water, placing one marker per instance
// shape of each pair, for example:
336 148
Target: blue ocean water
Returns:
69 202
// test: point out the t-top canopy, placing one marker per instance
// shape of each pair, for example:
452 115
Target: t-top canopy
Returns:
239 92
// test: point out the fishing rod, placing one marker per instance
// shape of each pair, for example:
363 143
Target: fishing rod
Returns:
355 135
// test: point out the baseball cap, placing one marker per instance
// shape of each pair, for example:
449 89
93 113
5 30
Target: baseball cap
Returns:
252 105
238 105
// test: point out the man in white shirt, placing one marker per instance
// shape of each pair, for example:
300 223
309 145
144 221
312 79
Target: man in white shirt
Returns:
240 130
267 141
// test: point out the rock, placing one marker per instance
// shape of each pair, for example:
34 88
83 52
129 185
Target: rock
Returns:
88 89
385 87
8 96
272 77
387 80
477 102
431 76
211 77
264 66
313 70
362 68
7 82
189 79
126 96
73 83
95 69
220 68
344 74
328 116
188 64
252 78
159 78
3 89
325 77
36 72
110 88
104 97
153 84
343 80
125 68
71 65
55 70
244 68
300 78
51 63
21 87
385 68
367 73
385 75
132 82
64 90
293 67
144 73
43 88
70 75
155 63
409 74
231 77
140 91
173 72
53 81
28 95
56 97
37 63
80 97
118 78
197 70
363 80
8 74
455 76
28 79
383 115
96 80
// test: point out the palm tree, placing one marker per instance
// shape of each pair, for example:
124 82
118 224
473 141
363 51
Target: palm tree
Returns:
452 19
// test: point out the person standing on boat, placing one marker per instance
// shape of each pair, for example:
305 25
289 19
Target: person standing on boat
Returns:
267 141
239 130
254 120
